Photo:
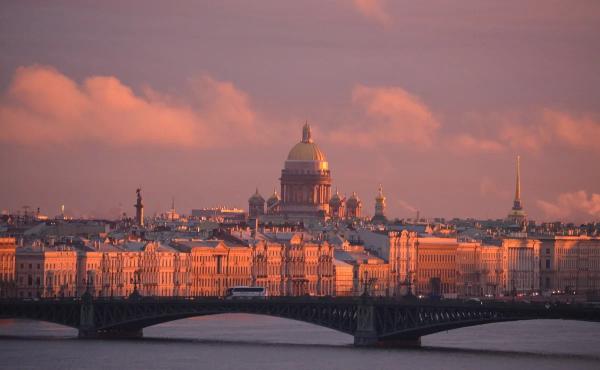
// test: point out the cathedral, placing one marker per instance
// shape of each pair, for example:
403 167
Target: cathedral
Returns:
305 191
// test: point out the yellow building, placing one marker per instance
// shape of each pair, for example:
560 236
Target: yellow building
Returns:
308 267
268 267
570 264
7 267
344 278
371 274
521 266
403 262
46 272
436 267
215 266
491 270
468 269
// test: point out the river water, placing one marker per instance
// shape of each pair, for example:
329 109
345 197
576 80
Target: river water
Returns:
236 341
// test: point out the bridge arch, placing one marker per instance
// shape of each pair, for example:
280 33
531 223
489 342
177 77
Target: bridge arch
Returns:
65 313
341 319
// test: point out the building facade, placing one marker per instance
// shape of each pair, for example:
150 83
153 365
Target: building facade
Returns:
8 284
521 266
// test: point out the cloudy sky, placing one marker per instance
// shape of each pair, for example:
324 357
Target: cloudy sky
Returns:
201 101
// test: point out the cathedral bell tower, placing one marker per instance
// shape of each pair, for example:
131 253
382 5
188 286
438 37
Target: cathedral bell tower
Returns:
379 207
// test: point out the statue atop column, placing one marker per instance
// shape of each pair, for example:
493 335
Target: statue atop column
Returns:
139 208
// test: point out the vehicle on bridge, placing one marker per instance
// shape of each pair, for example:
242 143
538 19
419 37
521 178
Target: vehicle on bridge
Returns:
246 292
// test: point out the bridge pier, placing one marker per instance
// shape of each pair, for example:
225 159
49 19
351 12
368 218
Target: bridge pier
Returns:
88 328
110 333
367 336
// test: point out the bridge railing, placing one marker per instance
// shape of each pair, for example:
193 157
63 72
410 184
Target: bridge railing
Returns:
383 301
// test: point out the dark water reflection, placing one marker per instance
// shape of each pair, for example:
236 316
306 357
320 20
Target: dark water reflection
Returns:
249 341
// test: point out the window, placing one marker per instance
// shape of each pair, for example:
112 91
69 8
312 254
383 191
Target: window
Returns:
548 263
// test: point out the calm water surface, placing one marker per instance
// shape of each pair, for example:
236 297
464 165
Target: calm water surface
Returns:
237 341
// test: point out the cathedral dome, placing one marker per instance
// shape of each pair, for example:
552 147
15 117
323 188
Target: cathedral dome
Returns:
256 198
353 201
306 150
335 200
274 198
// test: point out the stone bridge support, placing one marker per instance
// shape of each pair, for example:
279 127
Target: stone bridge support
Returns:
89 330
367 334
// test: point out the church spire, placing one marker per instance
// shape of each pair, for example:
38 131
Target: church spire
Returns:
517 216
517 206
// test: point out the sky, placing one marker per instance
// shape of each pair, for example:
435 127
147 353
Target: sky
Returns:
201 101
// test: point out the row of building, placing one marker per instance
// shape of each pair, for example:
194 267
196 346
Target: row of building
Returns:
295 264
183 268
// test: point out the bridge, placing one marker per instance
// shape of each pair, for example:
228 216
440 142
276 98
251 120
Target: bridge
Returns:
372 321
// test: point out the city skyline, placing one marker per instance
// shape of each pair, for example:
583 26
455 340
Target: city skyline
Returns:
270 184
436 111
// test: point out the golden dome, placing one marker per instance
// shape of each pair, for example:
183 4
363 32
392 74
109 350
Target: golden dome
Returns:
306 150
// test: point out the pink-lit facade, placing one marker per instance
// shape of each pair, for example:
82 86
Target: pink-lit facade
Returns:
7 267
298 267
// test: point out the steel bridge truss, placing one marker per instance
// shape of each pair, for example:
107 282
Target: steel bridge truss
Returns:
370 321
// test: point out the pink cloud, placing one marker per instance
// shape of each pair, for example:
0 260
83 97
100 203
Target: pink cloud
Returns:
469 144
43 106
531 131
576 131
390 115
488 187
534 131
374 10
522 137
576 204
